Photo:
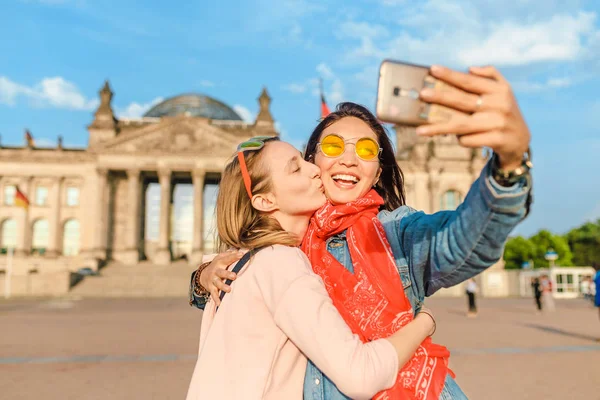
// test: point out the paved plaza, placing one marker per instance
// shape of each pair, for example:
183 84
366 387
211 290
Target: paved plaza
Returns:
145 349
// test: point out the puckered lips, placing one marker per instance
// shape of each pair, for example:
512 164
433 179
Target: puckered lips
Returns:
345 180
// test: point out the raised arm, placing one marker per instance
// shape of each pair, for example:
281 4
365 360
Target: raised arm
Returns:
448 247
304 312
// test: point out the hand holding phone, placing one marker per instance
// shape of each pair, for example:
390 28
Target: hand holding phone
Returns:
479 107
399 95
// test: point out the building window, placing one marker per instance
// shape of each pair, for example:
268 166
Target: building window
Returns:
450 200
8 235
41 234
41 196
10 192
71 238
72 196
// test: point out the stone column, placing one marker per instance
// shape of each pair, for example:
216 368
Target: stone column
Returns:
24 228
131 255
102 213
55 239
198 177
421 190
434 195
163 253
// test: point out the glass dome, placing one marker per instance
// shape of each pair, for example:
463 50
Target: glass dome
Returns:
195 105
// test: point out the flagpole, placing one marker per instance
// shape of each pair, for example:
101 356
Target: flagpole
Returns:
8 275
320 85
321 94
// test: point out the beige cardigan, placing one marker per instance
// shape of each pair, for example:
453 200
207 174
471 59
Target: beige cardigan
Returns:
277 314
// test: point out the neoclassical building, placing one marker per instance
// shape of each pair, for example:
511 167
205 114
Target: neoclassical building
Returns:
144 189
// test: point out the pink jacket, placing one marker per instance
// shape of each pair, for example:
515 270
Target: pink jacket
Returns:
277 314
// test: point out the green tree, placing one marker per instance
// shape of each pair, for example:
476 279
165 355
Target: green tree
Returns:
517 251
585 243
545 240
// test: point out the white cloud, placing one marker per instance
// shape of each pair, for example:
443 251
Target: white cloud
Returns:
49 92
295 88
472 32
325 71
206 83
274 14
336 95
360 30
284 20
247 115
508 43
295 32
549 84
560 82
136 110
9 91
63 94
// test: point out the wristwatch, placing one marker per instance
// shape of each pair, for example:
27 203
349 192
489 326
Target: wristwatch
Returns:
509 178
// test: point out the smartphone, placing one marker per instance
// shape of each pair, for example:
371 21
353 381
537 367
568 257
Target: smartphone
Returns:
398 99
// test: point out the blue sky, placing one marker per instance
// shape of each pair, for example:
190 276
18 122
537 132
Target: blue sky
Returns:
55 55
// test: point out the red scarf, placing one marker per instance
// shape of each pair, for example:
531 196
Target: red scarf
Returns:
372 300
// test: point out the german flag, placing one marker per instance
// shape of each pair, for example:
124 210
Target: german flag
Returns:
324 108
21 200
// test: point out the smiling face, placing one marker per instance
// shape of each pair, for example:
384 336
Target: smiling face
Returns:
347 178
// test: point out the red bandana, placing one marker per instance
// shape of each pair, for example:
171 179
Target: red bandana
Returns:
372 300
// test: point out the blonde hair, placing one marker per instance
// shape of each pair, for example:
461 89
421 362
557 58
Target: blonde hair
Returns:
239 224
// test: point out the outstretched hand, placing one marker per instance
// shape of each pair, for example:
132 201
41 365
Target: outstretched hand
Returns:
493 120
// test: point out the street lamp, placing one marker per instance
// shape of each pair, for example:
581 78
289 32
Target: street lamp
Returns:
551 256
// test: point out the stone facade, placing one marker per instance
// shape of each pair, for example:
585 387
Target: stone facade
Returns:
438 172
96 196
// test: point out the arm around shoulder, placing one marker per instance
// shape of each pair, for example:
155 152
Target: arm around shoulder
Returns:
304 312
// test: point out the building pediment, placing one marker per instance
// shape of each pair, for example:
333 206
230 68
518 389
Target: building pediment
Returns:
182 135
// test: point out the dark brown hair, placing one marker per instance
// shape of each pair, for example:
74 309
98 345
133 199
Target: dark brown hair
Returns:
390 185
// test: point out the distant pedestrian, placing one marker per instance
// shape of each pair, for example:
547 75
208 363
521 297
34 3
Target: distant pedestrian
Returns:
547 293
471 295
597 284
537 292
586 288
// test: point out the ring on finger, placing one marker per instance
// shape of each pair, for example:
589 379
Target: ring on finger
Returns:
478 103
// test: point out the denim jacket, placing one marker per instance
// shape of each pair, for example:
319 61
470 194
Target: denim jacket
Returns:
433 251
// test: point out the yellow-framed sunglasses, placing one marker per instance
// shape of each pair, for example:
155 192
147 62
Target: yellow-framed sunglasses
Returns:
366 148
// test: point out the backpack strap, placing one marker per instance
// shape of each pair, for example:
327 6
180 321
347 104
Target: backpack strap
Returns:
238 267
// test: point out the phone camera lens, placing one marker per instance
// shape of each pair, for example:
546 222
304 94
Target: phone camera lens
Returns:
396 91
